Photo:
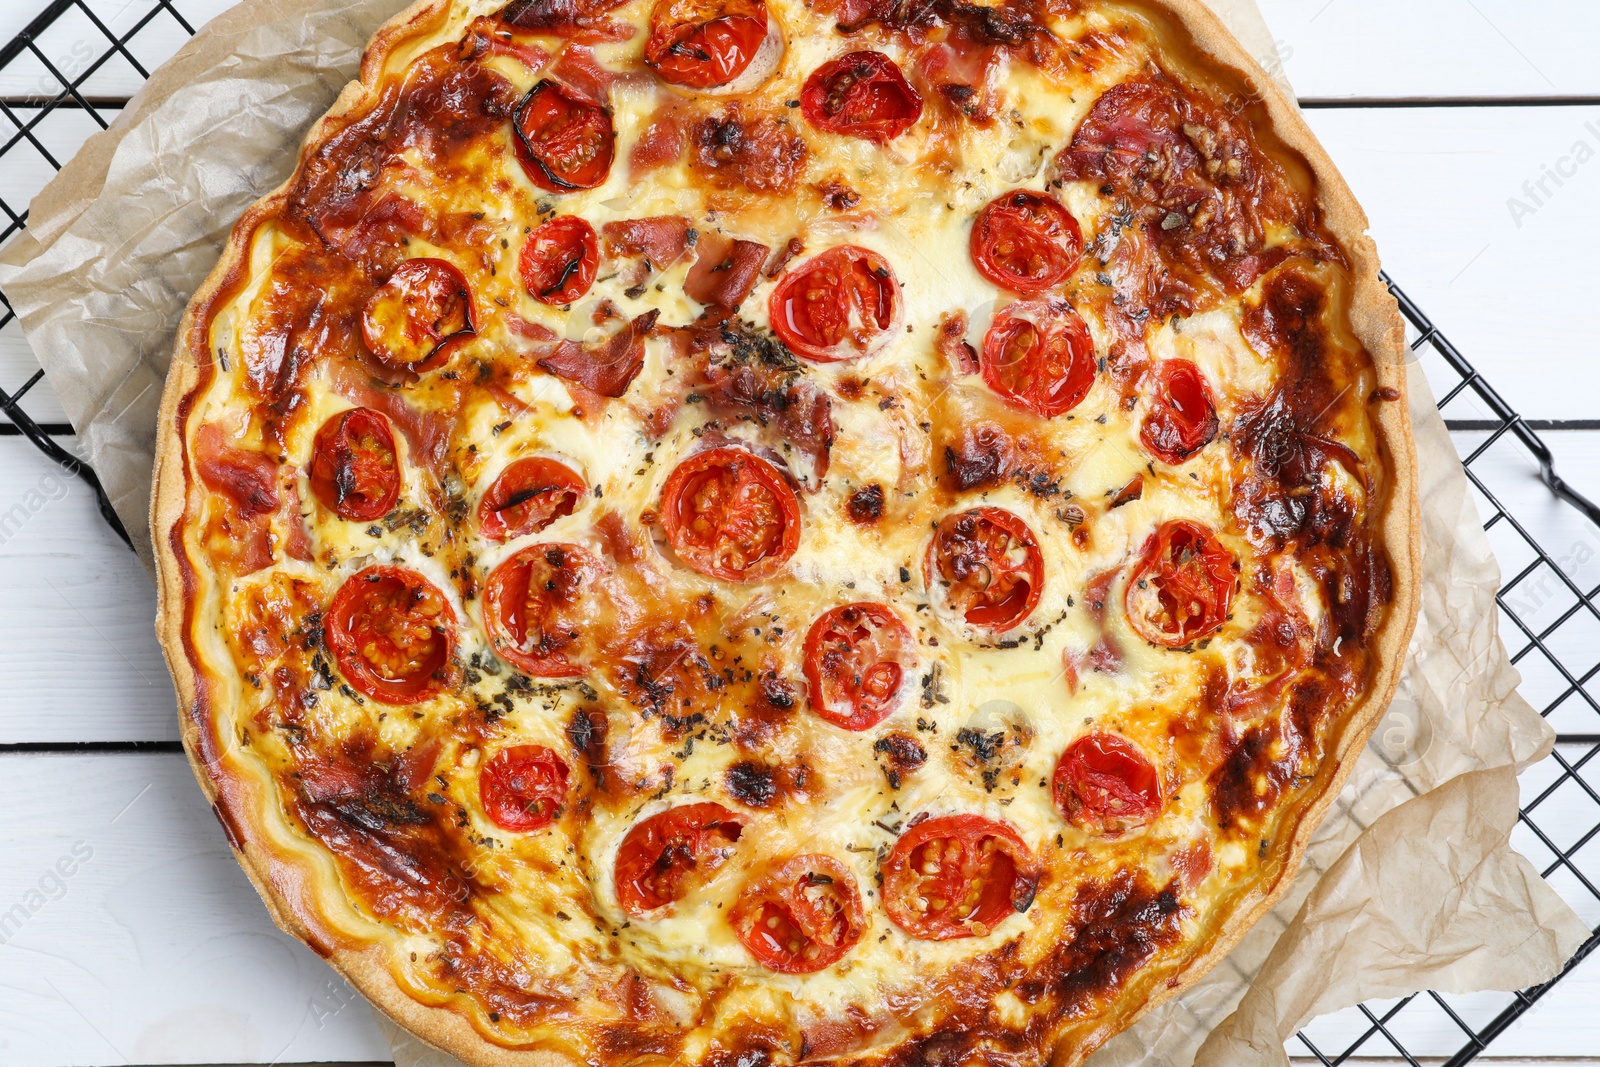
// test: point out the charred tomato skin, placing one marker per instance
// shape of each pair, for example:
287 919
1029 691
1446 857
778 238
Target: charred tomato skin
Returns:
565 141
392 634
418 316
529 495
559 260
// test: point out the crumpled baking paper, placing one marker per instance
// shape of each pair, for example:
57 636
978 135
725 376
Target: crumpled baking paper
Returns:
1409 884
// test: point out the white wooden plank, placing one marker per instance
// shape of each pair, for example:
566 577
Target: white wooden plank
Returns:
1437 48
1469 221
1543 599
128 934
79 656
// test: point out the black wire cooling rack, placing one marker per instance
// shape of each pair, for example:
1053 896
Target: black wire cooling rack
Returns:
70 71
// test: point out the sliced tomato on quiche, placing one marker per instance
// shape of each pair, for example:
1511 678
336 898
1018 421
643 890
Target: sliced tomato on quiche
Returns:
523 788
535 610
1104 783
858 661
1026 242
391 633
705 44
730 514
800 917
559 260
661 856
1182 418
565 141
528 496
958 876
861 94
989 567
416 317
355 468
839 305
1182 586
1038 356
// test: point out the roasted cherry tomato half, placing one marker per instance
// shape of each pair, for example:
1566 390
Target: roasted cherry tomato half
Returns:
1038 355
415 318
391 633
704 44
730 514
559 260
862 94
839 305
523 788
565 141
991 566
801 917
1103 783
664 854
857 659
355 470
1182 420
1182 586
957 876
529 495
534 609
1026 242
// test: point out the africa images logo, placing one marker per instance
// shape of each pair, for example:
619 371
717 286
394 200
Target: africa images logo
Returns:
1537 192
51 885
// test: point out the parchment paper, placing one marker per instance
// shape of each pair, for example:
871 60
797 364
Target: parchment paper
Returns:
1409 884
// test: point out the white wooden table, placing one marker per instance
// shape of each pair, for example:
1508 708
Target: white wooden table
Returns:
1470 130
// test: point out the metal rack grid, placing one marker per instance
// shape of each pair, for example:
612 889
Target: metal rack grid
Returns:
1537 634
41 128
